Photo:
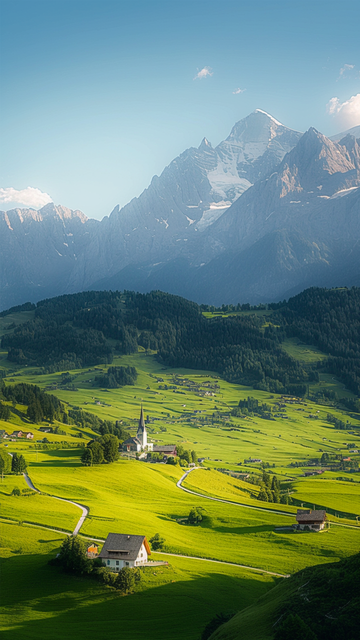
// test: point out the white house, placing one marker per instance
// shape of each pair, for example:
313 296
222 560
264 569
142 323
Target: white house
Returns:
121 550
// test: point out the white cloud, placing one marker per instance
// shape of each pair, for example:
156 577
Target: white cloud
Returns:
345 68
30 197
238 90
347 114
206 71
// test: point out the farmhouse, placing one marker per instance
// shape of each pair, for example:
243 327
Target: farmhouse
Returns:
314 520
16 434
28 435
165 449
140 442
121 550
3 433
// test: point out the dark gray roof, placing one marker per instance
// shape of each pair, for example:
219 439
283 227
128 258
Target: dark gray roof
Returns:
310 516
120 546
164 448
132 441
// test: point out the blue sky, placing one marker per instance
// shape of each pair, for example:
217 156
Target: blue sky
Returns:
97 97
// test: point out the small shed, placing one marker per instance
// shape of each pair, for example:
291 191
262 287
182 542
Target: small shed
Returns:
314 520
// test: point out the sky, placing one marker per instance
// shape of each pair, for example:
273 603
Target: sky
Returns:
98 97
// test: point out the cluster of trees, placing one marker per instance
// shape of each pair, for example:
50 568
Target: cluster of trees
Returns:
270 490
40 405
18 463
338 424
76 328
4 411
329 319
185 456
5 461
73 559
252 406
15 463
157 542
195 515
103 450
116 377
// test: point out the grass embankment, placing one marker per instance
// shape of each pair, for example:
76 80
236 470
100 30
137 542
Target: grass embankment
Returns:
41 602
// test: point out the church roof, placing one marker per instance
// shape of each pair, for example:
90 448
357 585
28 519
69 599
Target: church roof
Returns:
132 440
141 421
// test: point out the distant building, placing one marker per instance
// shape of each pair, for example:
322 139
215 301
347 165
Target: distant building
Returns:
121 550
140 441
28 435
315 520
3 433
16 434
45 429
166 449
92 551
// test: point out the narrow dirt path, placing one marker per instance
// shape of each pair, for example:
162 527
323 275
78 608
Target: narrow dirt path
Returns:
85 510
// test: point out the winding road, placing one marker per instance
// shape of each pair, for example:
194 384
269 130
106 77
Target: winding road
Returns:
235 504
85 510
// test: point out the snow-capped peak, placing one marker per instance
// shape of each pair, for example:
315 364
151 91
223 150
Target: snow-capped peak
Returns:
269 116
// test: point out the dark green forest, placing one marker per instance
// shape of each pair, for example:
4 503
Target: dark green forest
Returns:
88 328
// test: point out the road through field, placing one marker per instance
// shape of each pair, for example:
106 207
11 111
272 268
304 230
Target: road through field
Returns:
85 510
236 504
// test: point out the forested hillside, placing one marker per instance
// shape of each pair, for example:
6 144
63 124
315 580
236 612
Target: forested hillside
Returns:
88 328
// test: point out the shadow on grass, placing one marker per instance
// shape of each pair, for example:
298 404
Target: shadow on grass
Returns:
81 608
54 463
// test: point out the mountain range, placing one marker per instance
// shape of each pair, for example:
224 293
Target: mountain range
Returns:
265 214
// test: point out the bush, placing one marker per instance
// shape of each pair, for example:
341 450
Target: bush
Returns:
157 542
16 491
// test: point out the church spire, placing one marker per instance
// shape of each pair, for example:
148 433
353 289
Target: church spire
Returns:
141 432
142 421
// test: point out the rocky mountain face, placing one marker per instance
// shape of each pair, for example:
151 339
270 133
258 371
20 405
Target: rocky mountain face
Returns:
39 252
264 214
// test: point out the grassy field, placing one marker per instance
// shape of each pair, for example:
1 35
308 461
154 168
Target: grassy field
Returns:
135 497
341 496
41 602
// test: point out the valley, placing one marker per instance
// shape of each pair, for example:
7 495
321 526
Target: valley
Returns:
279 434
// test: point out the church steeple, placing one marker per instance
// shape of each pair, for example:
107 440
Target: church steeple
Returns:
141 432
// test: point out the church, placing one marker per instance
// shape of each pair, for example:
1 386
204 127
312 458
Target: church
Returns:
140 442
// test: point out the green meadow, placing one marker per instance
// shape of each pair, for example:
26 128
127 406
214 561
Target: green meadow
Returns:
192 408
42 602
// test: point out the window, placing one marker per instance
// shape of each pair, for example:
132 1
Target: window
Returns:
108 562
117 562
127 564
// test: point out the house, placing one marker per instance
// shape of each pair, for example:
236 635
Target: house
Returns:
314 520
93 551
28 435
140 441
121 550
46 429
165 449
16 434
3 433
